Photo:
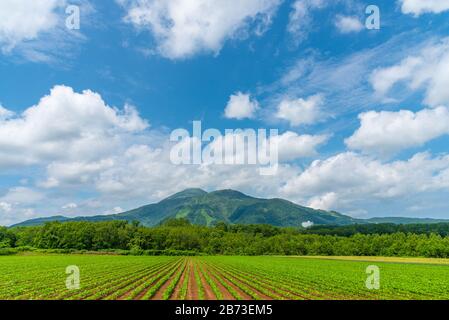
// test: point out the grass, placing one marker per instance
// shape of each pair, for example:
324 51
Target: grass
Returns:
128 277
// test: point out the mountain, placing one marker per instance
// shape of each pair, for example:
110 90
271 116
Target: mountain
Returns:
401 220
40 221
229 206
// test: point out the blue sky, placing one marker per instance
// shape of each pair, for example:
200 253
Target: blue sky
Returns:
86 114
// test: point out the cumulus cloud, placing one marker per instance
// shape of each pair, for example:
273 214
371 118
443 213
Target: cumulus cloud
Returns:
65 125
327 201
241 106
384 79
138 171
301 111
350 177
390 132
348 24
5 113
183 28
292 146
419 7
74 173
427 70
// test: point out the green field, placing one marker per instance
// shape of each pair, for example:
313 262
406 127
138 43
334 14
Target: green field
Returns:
159 278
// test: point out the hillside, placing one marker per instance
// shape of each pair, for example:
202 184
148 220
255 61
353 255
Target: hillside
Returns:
229 206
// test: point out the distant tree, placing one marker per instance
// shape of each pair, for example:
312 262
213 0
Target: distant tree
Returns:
181 222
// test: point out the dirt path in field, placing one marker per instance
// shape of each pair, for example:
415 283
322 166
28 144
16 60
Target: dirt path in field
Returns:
241 293
266 284
121 286
235 284
143 292
159 295
208 292
225 292
308 292
192 288
177 292
147 276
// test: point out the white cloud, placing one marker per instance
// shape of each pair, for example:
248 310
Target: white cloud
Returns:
23 20
74 173
66 126
350 177
5 207
390 132
22 195
28 213
384 79
5 113
246 148
70 206
292 146
348 24
139 171
36 31
114 210
418 7
426 70
301 111
241 106
183 28
325 202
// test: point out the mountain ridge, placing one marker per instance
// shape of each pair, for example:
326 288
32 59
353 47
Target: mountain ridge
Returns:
229 206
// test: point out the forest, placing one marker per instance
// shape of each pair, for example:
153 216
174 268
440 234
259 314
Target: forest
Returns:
179 237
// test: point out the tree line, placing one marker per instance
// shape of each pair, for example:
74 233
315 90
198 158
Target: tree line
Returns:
179 236
441 229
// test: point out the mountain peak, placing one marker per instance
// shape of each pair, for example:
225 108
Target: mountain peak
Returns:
188 193
229 193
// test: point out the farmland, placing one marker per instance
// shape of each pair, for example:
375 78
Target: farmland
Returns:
106 277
